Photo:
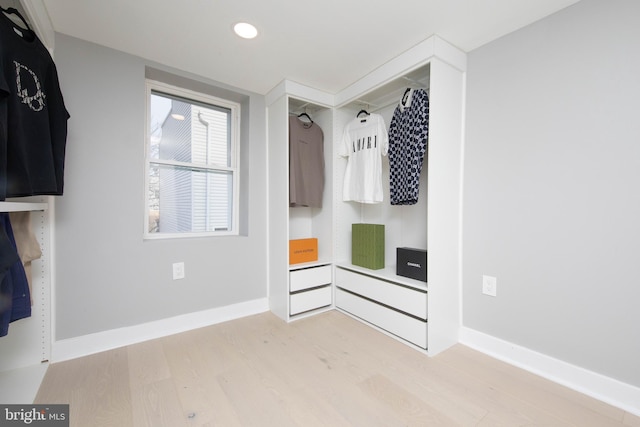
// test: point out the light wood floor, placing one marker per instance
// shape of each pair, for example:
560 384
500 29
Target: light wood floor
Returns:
326 370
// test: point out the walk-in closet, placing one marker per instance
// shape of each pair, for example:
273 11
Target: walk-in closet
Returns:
424 315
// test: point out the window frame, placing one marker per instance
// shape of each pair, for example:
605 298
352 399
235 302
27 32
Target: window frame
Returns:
234 163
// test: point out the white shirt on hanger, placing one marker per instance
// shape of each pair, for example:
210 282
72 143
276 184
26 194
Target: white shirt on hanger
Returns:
364 142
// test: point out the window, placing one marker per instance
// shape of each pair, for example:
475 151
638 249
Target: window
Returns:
191 163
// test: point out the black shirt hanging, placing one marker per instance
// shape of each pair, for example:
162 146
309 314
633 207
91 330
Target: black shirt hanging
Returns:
33 117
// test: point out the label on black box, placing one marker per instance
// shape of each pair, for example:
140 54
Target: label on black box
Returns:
411 263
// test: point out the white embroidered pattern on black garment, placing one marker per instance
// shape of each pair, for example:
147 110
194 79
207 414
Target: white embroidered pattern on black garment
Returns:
35 101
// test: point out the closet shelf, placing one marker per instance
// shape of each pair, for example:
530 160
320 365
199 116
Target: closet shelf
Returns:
23 206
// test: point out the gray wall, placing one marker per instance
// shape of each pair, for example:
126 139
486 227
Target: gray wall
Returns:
552 187
106 275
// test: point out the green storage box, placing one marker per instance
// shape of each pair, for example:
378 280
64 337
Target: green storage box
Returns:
367 245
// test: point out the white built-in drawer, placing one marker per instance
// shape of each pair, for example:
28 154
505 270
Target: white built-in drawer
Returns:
309 278
412 301
309 300
406 327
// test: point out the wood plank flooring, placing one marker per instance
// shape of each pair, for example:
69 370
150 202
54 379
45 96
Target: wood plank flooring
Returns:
325 370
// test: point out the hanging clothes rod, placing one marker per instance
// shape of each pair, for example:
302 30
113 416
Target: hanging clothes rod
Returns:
394 101
308 107
414 82
365 105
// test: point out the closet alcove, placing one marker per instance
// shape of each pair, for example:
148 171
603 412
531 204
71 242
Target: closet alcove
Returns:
298 290
423 315
26 349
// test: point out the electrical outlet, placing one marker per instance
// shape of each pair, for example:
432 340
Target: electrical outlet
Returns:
178 270
489 285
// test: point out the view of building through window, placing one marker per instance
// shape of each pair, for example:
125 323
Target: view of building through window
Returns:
191 167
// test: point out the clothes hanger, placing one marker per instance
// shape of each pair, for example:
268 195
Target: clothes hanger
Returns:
404 99
305 115
14 11
363 111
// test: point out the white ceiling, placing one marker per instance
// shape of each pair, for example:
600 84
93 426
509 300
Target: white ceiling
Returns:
325 44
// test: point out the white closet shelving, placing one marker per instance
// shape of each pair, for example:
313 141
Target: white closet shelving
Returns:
298 290
28 341
424 315
23 206
25 351
27 347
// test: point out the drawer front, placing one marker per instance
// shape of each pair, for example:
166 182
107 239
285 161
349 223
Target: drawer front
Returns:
405 299
309 300
309 278
405 327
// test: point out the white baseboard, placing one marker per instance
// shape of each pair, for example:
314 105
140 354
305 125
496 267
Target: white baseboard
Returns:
101 341
609 390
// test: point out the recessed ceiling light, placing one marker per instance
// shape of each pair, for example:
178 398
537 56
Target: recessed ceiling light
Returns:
177 116
244 30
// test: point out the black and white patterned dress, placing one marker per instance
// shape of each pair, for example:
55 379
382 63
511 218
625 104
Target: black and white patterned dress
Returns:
408 136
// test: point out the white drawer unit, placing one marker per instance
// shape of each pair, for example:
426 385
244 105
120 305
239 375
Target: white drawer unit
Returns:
309 278
408 300
310 289
309 300
406 327
389 305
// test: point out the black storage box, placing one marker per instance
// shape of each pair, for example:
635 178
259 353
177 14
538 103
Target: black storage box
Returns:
411 263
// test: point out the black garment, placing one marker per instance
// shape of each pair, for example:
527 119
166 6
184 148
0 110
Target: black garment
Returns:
15 299
8 253
33 117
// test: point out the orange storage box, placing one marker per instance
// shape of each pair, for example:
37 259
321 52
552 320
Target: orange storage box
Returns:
303 250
